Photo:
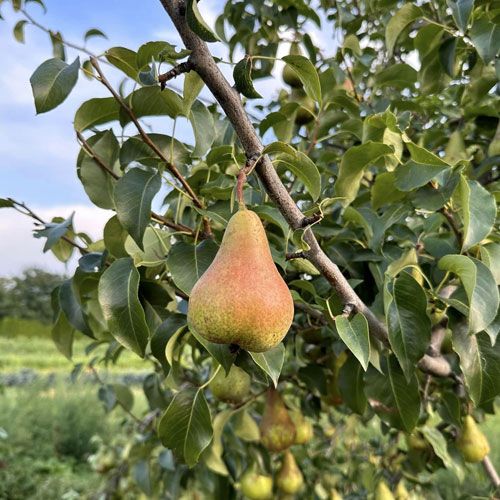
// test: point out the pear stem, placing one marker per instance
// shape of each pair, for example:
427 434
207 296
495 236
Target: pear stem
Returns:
240 182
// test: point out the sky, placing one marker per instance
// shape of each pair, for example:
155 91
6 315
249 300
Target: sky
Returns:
38 152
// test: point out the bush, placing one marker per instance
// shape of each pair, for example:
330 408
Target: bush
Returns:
14 327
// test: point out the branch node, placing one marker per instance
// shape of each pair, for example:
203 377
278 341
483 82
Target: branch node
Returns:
183 67
311 219
348 309
295 255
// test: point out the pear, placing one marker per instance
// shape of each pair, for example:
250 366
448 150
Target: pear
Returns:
289 75
382 491
289 478
335 495
256 486
241 298
472 442
307 108
304 428
233 388
402 492
415 441
277 430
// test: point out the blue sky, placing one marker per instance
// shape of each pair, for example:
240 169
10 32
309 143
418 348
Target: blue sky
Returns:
38 153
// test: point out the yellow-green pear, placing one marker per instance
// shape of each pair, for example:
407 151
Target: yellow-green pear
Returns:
277 430
472 442
402 492
382 491
305 114
241 298
416 441
289 75
335 495
256 486
233 388
289 478
304 428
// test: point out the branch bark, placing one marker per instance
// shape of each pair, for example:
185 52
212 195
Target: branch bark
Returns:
203 63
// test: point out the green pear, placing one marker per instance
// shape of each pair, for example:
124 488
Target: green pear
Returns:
289 75
304 428
233 388
241 298
289 478
305 113
256 486
335 495
415 441
401 491
382 491
472 442
277 430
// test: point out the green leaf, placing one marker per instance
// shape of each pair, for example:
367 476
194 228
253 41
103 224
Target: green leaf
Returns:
351 385
187 262
124 315
52 82
54 231
124 59
447 51
163 334
413 175
186 425
19 30
115 237
203 127
58 48
479 286
99 184
156 245
159 52
305 169
279 147
70 304
271 362
220 352
242 75
152 101
384 190
395 400
480 363
409 325
94 32
134 193
485 36
460 10
197 24
6 203
62 331
355 336
192 87
490 255
212 457
478 212
352 166
399 76
96 112
398 22
307 74
351 42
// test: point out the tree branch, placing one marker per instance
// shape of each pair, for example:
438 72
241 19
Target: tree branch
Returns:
491 471
145 137
204 64
183 67
102 164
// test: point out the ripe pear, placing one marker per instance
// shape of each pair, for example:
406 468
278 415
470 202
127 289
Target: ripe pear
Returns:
233 388
304 428
256 486
402 492
289 75
304 114
241 298
277 430
382 491
289 478
472 442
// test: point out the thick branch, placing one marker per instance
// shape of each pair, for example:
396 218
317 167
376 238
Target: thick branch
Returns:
102 164
230 102
145 137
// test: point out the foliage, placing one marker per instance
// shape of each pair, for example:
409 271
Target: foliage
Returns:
28 295
397 162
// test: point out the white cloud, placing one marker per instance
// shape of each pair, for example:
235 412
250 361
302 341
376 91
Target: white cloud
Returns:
19 249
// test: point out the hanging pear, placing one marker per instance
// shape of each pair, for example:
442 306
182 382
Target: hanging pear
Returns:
233 387
401 491
256 486
277 431
304 428
289 76
241 298
335 495
472 442
382 491
289 479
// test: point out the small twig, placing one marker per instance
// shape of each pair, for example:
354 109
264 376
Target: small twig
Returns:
491 471
314 313
453 224
348 310
242 177
183 67
295 255
311 219
145 137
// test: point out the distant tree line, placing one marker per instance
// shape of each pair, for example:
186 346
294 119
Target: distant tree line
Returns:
28 295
